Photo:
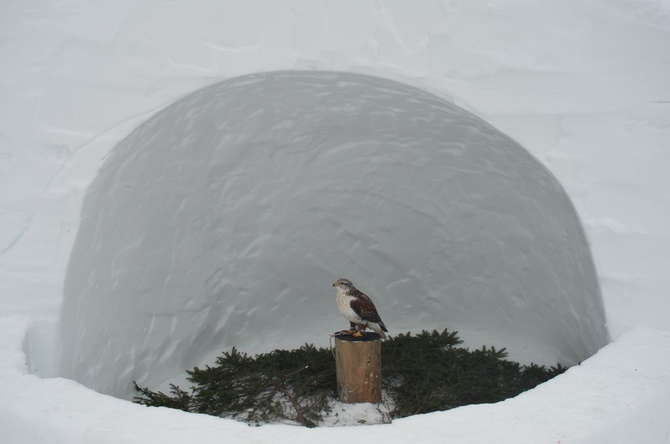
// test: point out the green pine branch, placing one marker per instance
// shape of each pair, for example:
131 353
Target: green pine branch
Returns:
421 373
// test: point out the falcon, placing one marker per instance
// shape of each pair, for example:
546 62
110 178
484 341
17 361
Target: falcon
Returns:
358 308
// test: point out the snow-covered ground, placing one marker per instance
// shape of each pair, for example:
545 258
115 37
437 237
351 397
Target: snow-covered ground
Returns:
620 395
582 86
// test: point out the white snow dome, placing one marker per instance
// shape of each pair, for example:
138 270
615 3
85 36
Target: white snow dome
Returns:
223 220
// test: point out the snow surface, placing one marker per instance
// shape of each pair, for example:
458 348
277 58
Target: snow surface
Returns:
581 85
620 395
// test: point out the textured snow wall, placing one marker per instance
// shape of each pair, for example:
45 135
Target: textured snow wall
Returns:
223 220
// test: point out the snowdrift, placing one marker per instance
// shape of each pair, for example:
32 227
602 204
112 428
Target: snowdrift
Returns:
618 396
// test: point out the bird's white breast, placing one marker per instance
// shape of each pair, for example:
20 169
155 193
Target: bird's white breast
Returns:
344 304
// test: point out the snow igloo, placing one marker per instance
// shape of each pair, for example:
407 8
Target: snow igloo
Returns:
223 219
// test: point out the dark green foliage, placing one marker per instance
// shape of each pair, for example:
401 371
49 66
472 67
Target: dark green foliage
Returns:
257 388
294 385
426 373
421 373
179 400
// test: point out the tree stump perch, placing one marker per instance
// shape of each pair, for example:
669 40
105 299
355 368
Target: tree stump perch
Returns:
358 364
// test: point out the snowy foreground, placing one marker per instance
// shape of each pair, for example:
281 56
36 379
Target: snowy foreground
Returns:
620 395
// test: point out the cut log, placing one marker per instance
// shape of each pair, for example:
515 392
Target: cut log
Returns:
359 368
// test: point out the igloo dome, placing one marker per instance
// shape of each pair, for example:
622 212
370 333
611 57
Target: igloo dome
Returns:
223 219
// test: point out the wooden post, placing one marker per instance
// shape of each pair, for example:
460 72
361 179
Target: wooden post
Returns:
358 364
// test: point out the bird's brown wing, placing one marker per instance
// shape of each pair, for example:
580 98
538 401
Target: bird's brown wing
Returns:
364 307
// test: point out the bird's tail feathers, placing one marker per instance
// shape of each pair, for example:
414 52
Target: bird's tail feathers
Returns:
379 328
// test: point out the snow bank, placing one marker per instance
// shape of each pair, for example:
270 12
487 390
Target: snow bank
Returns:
620 395
223 220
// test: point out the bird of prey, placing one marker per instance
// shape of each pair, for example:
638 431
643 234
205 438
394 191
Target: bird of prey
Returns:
358 308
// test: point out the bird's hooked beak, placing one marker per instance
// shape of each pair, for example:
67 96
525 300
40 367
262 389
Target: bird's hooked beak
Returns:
334 283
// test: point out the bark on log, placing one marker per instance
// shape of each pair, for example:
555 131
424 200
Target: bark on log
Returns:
359 368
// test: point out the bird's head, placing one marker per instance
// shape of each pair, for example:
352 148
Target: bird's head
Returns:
343 284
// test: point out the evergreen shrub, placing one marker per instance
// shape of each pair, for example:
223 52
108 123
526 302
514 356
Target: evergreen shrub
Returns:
421 373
